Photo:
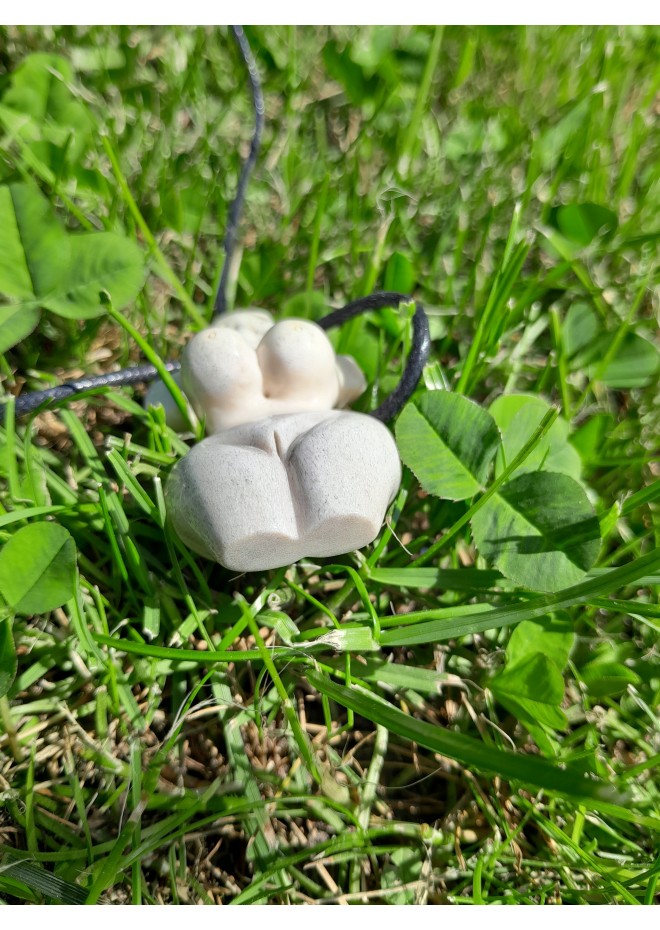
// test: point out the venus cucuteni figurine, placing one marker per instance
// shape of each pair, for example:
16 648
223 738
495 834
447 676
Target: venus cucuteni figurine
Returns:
284 475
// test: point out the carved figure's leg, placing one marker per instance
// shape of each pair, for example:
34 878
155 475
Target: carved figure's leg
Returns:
266 494
345 471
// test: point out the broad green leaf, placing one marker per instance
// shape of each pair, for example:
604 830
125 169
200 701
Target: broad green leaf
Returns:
350 75
399 274
37 568
533 714
580 328
448 442
534 685
582 222
40 265
635 364
535 677
311 305
540 531
403 870
38 86
517 416
16 322
591 438
7 657
605 679
34 248
59 126
99 261
553 635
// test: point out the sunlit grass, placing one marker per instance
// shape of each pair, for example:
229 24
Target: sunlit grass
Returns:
178 734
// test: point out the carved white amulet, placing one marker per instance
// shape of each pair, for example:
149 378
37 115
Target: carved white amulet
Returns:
283 475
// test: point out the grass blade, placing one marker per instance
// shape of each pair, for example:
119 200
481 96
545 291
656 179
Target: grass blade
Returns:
440 630
530 770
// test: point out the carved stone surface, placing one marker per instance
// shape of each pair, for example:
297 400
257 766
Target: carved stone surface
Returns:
233 374
252 324
283 475
266 494
293 369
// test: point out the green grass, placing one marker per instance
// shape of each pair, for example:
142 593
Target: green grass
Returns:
343 731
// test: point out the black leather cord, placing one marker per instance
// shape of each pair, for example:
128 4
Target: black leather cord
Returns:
419 353
220 305
69 390
419 350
